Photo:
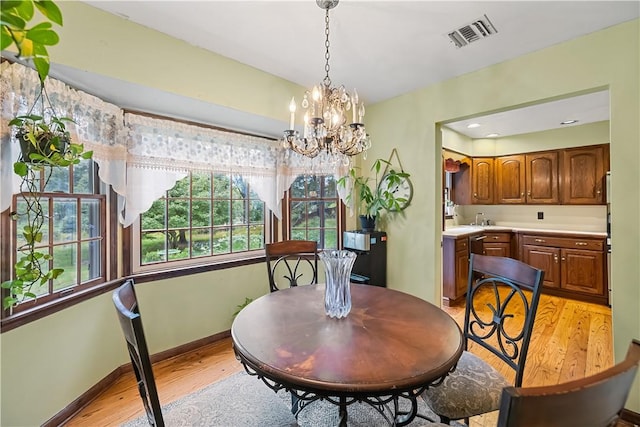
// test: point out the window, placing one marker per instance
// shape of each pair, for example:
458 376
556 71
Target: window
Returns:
315 211
205 215
73 233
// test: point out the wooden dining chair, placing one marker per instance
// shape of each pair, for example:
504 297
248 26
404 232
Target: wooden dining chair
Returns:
501 303
124 298
292 263
595 401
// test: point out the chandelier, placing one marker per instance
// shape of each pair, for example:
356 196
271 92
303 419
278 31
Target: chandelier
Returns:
333 117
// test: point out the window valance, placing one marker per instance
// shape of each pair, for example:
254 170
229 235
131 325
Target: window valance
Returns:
141 157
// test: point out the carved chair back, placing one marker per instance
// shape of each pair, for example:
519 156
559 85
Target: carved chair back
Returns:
292 263
511 290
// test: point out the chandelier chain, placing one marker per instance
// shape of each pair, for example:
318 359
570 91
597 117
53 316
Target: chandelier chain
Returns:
332 116
327 79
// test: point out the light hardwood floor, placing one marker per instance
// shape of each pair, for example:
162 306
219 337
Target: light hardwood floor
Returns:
571 340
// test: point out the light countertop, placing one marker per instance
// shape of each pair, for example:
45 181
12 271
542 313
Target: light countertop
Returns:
462 230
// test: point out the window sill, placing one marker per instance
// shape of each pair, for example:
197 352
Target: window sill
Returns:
38 312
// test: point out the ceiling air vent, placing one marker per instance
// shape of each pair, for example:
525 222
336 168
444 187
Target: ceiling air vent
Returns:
478 29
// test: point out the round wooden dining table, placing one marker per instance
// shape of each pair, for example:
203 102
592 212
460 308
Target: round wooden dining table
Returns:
391 345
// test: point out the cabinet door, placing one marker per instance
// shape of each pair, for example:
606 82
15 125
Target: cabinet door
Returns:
542 178
546 259
583 271
584 175
462 272
497 249
510 179
482 180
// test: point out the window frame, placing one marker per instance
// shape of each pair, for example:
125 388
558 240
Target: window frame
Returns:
66 297
202 263
286 214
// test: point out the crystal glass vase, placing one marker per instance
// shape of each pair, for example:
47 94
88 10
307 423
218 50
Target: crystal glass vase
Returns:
337 294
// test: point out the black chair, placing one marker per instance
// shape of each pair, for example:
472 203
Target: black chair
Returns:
292 263
502 299
124 298
595 401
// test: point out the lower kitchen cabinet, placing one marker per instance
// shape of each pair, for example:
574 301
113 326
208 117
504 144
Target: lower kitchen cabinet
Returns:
455 268
497 244
574 266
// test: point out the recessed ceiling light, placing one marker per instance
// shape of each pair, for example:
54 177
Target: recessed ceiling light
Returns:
473 125
493 135
569 122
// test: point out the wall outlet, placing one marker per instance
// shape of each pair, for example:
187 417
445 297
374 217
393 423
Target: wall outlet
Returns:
540 215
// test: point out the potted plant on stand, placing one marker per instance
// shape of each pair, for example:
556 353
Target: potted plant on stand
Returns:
45 143
390 192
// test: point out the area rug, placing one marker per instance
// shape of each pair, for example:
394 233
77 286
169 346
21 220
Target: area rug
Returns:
244 401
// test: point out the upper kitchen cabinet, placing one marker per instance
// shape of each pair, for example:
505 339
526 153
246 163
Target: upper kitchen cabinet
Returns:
542 178
482 178
473 184
530 178
510 179
584 172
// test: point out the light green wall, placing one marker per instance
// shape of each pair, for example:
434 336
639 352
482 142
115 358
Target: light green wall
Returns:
102 43
574 136
58 358
606 59
76 348
456 141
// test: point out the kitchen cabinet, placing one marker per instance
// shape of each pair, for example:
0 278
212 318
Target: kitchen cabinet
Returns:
530 178
482 178
542 182
455 268
574 265
510 179
584 171
573 176
497 244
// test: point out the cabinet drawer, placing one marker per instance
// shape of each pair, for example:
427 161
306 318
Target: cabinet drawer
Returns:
564 242
462 244
497 237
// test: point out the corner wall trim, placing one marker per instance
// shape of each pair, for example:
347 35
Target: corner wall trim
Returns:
90 395
630 417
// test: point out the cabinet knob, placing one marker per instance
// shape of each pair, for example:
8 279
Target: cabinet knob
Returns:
539 240
555 258
495 237
529 194
598 192
475 194
564 259
521 194
581 244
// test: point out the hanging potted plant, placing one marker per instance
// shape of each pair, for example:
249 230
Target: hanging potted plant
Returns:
45 143
386 194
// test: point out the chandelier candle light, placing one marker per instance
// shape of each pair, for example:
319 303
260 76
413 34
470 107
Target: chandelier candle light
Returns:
326 115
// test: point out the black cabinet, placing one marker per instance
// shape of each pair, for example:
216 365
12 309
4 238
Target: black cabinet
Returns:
370 247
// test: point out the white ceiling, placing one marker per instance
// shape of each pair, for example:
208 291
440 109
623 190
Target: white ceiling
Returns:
593 107
382 48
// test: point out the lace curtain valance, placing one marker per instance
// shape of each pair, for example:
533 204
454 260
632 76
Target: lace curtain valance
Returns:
98 125
142 157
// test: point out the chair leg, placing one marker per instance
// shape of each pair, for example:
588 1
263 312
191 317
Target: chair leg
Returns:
295 405
445 420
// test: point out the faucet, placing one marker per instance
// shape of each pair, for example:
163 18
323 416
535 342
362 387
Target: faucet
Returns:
476 222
